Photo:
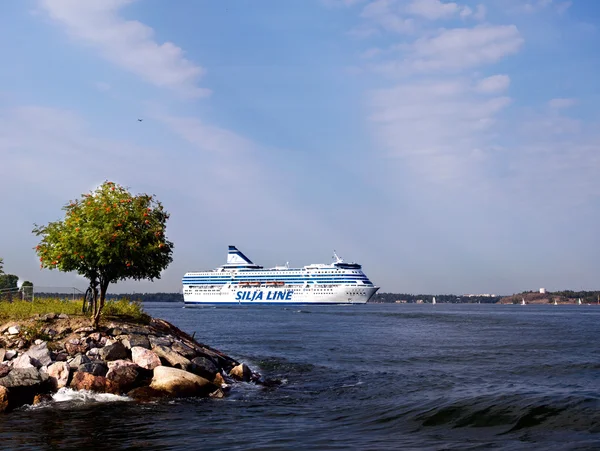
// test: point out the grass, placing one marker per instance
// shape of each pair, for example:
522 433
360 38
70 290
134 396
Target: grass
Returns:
123 308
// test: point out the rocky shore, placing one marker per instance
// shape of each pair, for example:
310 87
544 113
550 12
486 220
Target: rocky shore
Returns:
43 354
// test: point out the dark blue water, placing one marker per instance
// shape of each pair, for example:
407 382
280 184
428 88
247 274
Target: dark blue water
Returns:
363 377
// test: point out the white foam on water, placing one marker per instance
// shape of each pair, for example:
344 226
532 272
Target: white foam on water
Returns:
84 396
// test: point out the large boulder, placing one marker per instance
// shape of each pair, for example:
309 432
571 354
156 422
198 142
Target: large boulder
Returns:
136 340
78 360
114 351
23 384
87 381
144 358
124 376
179 383
4 369
171 357
95 368
205 367
40 354
58 375
183 349
75 347
23 361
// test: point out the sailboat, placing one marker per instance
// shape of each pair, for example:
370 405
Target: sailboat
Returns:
555 303
523 301
433 301
579 301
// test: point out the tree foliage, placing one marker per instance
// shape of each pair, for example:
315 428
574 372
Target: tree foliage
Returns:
1 266
106 236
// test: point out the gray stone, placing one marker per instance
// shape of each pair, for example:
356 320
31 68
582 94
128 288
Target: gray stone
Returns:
78 360
183 349
49 316
97 369
23 361
115 331
40 354
94 352
58 375
14 330
159 341
205 367
173 358
114 351
23 377
84 329
134 340
10 354
61 357
63 316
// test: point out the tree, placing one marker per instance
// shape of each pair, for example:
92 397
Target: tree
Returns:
1 265
106 236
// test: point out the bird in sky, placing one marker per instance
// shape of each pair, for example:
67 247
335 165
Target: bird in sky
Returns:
140 120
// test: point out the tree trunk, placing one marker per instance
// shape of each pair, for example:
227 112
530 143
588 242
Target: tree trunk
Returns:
99 303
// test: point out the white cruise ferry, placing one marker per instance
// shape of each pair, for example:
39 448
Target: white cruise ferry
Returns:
242 282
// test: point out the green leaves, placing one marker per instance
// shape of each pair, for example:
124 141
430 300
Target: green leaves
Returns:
108 235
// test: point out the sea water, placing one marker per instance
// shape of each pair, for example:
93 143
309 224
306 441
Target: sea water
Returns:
374 376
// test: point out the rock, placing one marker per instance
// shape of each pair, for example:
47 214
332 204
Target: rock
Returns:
241 372
144 358
23 361
61 357
145 394
2 353
20 344
114 331
174 359
205 367
95 336
38 342
183 349
4 369
10 354
87 381
120 362
217 394
50 332
136 340
42 397
179 383
63 316
49 316
218 380
78 360
23 384
58 375
40 354
84 330
124 376
14 330
96 368
73 349
114 352
94 352
3 399
159 341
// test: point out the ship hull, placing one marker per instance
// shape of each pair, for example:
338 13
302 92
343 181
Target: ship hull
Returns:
282 296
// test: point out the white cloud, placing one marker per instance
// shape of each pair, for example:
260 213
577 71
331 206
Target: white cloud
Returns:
561 103
386 15
102 86
127 43
433 9
493 84
460 48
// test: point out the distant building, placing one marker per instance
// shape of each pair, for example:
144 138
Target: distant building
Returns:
542 290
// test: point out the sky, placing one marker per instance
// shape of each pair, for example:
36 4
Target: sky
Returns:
448 147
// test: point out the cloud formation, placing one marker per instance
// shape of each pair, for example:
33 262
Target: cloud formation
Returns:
127 43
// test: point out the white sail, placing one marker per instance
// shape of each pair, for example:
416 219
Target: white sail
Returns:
433 302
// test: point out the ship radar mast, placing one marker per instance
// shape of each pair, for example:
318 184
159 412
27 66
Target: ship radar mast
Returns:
337 259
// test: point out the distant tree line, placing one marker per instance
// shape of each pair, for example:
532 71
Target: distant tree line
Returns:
428 298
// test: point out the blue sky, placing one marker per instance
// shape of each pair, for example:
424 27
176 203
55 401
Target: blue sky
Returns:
449 147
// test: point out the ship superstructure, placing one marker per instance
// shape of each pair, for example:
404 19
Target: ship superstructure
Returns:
241 281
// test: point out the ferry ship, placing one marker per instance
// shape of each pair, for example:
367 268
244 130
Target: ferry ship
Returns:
242 282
